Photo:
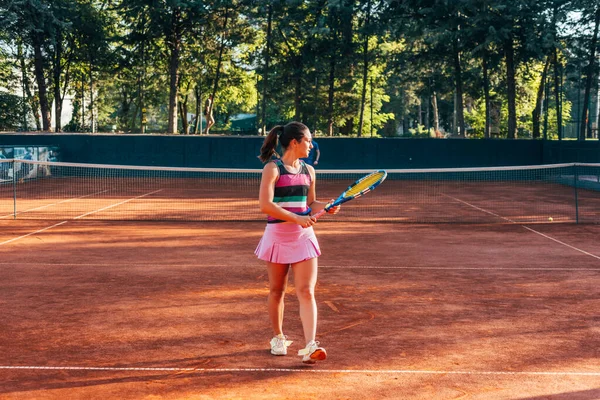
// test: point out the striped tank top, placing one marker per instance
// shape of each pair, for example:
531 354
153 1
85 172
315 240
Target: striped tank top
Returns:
291 190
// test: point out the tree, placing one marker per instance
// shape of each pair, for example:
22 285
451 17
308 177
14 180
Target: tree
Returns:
12 109
366 33
516 31
440 24
32 22
342 67
539 98
170 23
589 77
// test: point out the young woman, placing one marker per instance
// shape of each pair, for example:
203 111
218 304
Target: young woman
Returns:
288 197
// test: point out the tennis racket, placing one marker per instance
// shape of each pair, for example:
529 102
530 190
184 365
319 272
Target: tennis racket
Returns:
362 186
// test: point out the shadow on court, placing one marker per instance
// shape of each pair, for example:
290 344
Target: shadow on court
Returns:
581 395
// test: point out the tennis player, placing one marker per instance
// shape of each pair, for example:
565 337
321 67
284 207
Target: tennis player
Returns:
288 197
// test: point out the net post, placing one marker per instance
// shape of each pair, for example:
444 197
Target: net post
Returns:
14 176
575 179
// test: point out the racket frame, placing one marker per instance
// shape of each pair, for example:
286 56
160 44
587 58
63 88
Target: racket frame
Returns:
342 198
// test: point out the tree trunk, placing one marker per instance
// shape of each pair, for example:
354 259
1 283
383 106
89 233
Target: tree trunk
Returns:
428 108
82 101
219 62
511 84
24 84
136 110
266 73
41 82
56 71
546 106
142 87
316 104
460 116
402 112
598 109
125 107
141 104
184 109
142 78
174 41
486 91
183 114
365 70
92 116
33 103
436 114
330 96
298 89
588 82
557 94
333 58
537 112
198 122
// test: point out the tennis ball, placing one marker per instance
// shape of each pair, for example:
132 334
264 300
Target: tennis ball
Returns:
550 219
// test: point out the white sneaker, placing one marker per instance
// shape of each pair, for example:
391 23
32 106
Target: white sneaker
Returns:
279 345
312 353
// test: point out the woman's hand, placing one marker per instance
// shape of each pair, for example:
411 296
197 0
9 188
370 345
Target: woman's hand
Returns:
333 210
306 221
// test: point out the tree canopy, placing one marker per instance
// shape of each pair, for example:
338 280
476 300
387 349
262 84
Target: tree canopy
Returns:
427 68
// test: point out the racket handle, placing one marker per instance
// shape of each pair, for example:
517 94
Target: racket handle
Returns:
317 215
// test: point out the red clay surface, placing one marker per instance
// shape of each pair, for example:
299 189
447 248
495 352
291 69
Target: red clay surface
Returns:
406 312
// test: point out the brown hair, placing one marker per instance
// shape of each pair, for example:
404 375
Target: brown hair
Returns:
293 130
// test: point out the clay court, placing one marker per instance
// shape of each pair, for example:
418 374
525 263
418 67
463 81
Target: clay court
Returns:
99 308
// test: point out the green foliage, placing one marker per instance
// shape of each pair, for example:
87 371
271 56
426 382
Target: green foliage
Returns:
12 109
475 119
420 132
526 97
7 77
119 55
74 124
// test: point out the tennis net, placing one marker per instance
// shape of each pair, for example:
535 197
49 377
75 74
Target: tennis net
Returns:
530 194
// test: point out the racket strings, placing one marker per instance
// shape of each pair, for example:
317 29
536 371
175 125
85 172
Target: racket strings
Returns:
365 183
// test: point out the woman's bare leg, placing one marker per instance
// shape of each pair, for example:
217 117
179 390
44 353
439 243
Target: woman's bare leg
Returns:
305 280
278 276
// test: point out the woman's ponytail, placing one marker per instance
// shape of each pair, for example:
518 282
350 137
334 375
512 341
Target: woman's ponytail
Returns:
270 144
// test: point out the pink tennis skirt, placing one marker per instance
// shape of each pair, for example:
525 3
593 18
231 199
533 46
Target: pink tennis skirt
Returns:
287 244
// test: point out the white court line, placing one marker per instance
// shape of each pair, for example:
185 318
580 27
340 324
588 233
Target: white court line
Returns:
53 204
118 204
563 243
307 370
33 233
526 227
479 208
138 264
456 268
78 217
